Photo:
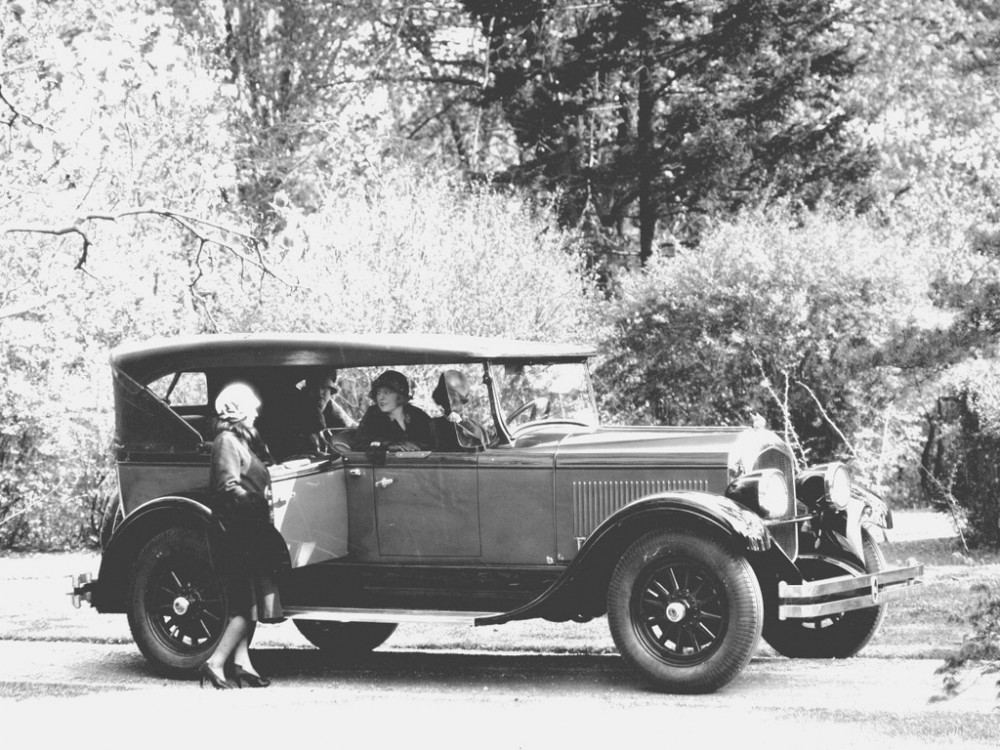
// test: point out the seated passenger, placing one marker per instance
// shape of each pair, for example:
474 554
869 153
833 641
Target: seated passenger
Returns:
293 422
392 423
456 430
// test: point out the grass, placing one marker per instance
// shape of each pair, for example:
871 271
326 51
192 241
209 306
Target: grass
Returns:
933 623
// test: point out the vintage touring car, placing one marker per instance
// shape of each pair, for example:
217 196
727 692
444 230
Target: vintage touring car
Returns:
693 541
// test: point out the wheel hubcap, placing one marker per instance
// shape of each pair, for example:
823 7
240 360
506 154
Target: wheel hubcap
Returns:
680 612
185 605
676 611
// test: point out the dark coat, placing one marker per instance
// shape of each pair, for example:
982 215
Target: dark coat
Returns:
250 548
378 427
291 420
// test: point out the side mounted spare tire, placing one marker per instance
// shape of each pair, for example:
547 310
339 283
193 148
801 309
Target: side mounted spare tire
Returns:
177 605
685 610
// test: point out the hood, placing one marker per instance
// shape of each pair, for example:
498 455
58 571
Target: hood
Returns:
666 446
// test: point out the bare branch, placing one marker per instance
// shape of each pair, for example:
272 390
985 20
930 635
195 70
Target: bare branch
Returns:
22 308
58 232
16 114
9 516
791 437
826 416
953 507
188 222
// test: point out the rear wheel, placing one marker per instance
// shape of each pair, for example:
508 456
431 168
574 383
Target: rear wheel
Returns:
837 636
177 606
345 641
685 611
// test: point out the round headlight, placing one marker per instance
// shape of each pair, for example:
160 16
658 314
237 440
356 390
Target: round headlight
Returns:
772 493
838 486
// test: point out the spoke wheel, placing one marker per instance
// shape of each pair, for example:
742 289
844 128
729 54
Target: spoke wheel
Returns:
685 610
681 612
178 607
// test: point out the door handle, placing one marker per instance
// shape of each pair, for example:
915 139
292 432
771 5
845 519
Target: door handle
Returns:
355 472
384 482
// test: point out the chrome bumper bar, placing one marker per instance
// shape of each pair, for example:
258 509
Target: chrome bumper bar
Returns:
845 593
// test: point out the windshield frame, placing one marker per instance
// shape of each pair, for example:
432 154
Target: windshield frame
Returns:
495 379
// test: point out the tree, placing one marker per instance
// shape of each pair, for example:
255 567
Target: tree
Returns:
657 114
325 90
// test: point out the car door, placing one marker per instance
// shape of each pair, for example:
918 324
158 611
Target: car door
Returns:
427 505
309 499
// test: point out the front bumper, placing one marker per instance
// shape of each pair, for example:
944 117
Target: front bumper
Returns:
832 596
82 589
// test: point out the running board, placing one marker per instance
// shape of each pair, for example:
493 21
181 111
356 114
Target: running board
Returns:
347 614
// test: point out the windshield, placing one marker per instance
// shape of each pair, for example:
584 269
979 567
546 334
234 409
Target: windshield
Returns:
532 393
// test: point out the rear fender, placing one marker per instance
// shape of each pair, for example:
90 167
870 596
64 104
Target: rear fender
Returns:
110 593
580 593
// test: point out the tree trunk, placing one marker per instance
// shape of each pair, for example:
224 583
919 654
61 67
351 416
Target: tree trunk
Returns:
644 135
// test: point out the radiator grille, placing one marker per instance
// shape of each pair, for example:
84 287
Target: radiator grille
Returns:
775 458
785 535
593 501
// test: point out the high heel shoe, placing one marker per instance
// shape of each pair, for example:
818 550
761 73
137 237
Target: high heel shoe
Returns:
252 680
219 683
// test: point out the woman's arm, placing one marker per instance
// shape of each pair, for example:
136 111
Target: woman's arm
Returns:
227 466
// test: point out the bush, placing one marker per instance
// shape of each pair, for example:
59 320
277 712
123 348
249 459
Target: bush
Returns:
400 253
962 455
785 314
980 650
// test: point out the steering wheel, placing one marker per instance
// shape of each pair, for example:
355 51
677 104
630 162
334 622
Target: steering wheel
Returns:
538 404
333 439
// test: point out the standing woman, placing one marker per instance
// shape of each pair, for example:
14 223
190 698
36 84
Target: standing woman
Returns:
241 485
392 422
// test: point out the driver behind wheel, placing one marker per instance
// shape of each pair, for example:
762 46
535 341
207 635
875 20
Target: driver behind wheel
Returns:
295 422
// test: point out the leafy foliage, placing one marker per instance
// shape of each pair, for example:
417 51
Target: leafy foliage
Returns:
676 110
962 454
114 108
317 145
786 315
980 650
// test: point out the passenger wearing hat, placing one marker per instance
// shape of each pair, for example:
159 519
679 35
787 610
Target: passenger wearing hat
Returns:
392 422
456 430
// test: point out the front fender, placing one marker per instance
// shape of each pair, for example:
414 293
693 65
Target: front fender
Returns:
839 532
110 589
580 591
725 514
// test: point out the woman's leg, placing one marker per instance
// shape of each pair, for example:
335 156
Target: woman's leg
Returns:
241 656
232 637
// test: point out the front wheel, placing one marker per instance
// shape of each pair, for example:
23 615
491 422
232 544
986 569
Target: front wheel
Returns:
836 636
684 610
345 641
177 607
